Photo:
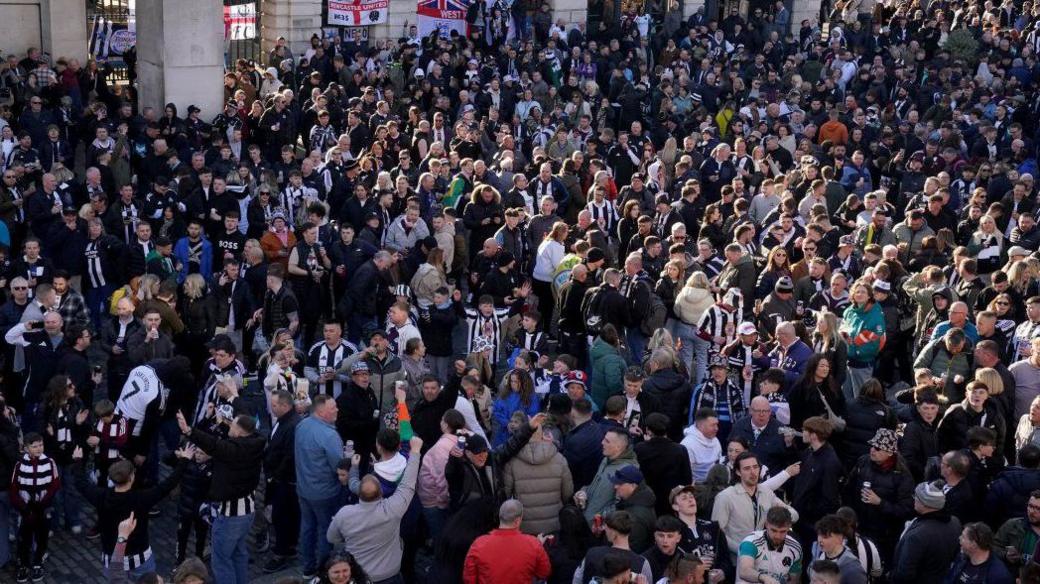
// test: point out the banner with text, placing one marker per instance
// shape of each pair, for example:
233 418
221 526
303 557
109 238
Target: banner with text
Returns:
357 12
442 16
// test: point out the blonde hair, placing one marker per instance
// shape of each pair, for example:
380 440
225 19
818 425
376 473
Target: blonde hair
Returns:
989 377
147 287
194 286
698 279
832 337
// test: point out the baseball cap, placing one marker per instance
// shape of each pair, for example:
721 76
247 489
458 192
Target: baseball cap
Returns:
746 328
676 491
629 474
476 444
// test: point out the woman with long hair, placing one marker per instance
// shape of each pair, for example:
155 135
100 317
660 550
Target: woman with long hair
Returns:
816 393
778 265
606 366
627 226
567 549
462 529
1003 307
987 246
549 255
200 321
711 226
516 395
827 340
671 281
65 416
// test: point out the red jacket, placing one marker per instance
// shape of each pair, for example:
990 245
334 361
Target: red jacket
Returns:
505 556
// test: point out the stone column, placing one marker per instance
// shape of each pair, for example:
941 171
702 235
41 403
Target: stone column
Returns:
296 20
689 7
572 11
180 52
64 29
803 10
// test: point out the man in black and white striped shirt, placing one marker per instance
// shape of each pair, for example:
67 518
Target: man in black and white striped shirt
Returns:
324 359
237 460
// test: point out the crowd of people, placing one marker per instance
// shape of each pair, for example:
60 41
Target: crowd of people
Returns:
724 298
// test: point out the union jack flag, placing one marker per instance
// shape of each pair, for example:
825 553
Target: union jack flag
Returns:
443 8
442 16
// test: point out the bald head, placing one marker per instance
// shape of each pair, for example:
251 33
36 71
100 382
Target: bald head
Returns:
580 272
370 489
510 514
760 411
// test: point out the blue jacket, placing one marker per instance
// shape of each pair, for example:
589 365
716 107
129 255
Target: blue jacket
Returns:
969 331
502 410
1009 493
993 571
583 451
180 251
770 447
793 363
318 450
850 175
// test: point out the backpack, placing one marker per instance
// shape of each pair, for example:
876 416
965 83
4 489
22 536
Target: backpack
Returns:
591 310
654 315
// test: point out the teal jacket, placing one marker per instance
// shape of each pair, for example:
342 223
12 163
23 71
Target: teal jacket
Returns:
607 372
866 332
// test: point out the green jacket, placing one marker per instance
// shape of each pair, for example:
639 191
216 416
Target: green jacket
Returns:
600 492
1012 534
866 330
606 372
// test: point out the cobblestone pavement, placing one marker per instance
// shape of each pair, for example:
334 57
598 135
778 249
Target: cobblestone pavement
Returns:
76 560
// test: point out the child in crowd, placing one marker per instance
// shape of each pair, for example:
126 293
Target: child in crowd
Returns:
33 488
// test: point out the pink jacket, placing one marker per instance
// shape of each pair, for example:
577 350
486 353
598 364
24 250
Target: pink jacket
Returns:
433 485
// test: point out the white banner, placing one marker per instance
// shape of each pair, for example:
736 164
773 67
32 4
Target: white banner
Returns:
357 12
240 22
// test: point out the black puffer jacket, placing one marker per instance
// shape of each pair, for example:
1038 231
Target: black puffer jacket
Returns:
864 417
672 391
952 433
918 445
477 210
883 523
